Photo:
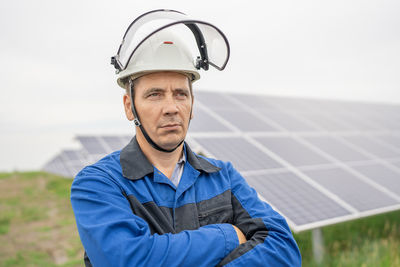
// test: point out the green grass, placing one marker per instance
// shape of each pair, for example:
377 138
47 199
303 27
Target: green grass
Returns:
37 228
5 175
372 241
29 258
4 225
58 187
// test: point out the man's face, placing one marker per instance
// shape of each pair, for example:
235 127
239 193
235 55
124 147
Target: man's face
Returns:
163 103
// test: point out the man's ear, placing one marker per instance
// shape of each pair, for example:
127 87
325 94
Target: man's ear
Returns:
127 107
191 115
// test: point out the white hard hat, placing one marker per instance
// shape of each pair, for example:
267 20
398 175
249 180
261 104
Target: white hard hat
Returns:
154 42
163 51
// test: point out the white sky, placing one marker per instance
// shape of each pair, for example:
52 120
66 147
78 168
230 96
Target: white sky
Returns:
57 81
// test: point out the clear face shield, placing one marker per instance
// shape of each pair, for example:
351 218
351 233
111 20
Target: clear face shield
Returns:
212 47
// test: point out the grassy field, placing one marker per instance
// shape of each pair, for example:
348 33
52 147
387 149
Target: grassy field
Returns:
37 228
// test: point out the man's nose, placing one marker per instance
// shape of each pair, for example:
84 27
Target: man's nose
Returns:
170 106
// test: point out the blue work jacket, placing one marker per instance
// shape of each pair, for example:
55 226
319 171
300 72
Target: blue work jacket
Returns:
130 214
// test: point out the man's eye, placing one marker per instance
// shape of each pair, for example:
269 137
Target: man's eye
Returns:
153 95
182 94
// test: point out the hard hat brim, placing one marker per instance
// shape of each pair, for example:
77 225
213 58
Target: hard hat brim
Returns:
123 81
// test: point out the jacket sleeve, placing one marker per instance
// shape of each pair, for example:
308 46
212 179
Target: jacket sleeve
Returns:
113 236
270 241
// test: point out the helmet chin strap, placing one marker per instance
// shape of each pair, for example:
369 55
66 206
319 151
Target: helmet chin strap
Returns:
136 121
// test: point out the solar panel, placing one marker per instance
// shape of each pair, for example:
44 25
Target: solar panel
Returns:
255 101
92 145
389 178
387 122
204 122
318 162
397 164
351 189
245 121
390 140
113 142
213 100
354 121
287 121
325 122
291 195
244 155
58 166
372 146
72 154
337 149
329 138
292 151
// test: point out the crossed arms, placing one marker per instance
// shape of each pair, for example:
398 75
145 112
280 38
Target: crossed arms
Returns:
113 236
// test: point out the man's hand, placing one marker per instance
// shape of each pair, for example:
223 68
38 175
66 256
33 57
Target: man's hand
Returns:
240 235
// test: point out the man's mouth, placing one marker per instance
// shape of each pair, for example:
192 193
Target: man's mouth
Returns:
171 126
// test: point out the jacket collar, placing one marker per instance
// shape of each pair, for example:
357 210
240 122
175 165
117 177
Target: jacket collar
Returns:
135 165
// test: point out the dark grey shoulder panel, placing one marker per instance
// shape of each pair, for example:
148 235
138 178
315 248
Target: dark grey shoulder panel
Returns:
253 228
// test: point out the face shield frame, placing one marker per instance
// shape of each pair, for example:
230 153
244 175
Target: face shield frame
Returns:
202 61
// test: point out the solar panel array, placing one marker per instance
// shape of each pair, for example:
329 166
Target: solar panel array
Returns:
317 162
69 162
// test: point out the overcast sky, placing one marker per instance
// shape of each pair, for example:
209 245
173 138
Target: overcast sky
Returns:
57 81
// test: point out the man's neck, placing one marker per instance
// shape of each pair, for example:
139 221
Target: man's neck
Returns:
163 161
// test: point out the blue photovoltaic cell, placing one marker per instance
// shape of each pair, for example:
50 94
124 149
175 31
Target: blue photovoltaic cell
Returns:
114 142
289 104
323 106
388 122
213 100
381 175
397 164
204 122
351 189
296 199
287 121
58 166
245 121
325 122
254 101
391 140
356 122
335 148
68 163
241 153
292 151
372 146
72 154
92 145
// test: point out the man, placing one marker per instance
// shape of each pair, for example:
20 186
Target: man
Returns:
155 202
